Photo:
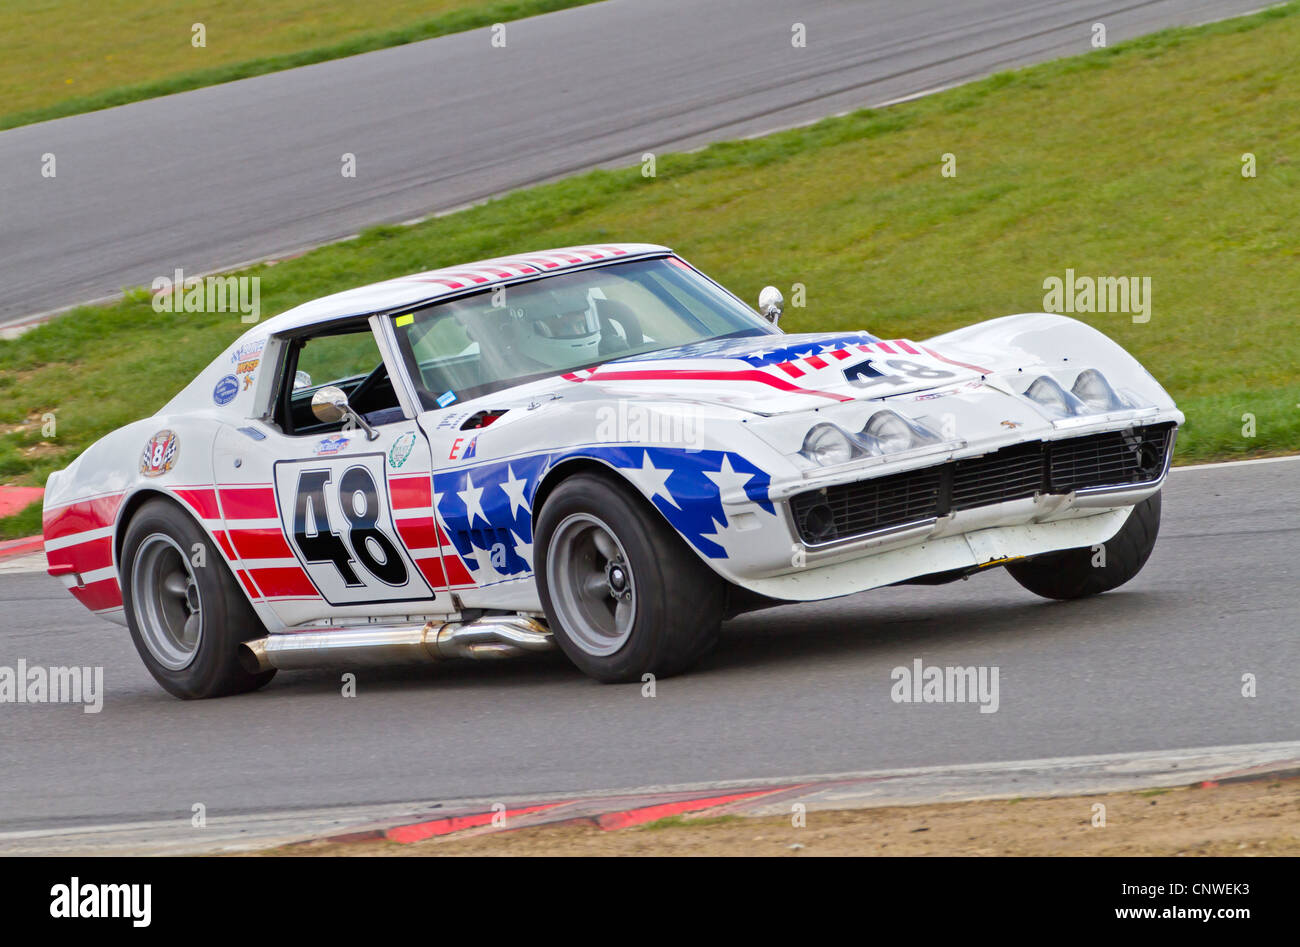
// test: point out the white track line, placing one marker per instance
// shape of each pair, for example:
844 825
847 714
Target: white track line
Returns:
1240 463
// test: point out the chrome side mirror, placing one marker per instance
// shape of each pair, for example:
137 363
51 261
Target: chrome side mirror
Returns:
771 303
330 405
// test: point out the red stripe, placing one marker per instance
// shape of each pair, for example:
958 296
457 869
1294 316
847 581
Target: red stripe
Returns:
884 347
420 532
81 516
457 574
841 354
100 595
268 543
816 361
752 375
202 500
456 823
249 503
248 583
224 542
282 581
449 283
905 347
431 569
790 369
974 368
84 557
411 493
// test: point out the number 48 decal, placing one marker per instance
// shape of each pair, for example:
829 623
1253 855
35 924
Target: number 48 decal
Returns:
360 502
337 519
865 374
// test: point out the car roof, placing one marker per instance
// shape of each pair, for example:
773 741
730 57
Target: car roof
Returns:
419 288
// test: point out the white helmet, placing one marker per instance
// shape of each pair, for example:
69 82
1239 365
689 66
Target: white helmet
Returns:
566 334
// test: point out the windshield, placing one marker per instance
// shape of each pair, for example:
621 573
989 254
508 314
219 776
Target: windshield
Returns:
505 335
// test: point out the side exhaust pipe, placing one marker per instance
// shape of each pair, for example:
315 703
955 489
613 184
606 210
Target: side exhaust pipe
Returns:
490 638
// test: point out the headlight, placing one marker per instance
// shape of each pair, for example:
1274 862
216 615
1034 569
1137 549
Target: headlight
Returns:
890 431
828 445
1047 392
1092 388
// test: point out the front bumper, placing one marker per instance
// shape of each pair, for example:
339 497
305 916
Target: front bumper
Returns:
958 512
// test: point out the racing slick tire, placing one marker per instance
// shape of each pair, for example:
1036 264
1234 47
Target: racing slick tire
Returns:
1071 574
186 614
623 594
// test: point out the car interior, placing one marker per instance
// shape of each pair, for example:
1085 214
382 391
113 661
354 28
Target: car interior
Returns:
345 357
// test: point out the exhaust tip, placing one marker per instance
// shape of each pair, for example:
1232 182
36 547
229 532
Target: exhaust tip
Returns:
252 656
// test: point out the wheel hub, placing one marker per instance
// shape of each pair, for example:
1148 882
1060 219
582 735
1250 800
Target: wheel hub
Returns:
591 584
166 600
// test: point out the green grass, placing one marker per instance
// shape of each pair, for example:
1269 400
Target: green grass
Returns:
26 522
58 59
689 822
1122 162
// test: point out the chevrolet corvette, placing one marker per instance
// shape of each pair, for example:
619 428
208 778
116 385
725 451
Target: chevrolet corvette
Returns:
598 449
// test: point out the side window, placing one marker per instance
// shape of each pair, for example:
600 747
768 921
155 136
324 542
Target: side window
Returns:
345 357
338 359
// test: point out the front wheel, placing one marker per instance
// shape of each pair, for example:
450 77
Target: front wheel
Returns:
623 594
187 617
1088 570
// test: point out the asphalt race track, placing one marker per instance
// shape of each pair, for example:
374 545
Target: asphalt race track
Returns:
248 170
800 690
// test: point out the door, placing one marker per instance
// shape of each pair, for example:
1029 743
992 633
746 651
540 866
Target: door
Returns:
334 522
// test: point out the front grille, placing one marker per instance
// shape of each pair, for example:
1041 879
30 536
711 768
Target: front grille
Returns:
1012 473
1112 459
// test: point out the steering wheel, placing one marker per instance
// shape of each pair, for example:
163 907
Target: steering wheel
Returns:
356 397
608 311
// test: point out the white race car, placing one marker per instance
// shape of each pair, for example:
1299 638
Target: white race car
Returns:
598 448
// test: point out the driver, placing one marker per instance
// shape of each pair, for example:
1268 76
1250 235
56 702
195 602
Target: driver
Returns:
561 330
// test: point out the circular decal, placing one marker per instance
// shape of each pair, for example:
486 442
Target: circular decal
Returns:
159 454
401 450
226 389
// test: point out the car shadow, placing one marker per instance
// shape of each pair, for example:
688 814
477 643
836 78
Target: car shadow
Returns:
856 627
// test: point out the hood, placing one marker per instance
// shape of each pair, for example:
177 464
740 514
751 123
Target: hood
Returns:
777 374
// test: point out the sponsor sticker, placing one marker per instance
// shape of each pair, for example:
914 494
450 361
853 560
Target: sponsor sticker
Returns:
446 398
246 356
331 445
225 390
401 450
452 420
159 455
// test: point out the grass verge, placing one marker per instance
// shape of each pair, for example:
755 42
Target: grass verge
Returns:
138 49
1249 818
1103 163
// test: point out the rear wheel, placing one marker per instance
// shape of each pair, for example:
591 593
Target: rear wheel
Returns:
186 615
1076 573
623 594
